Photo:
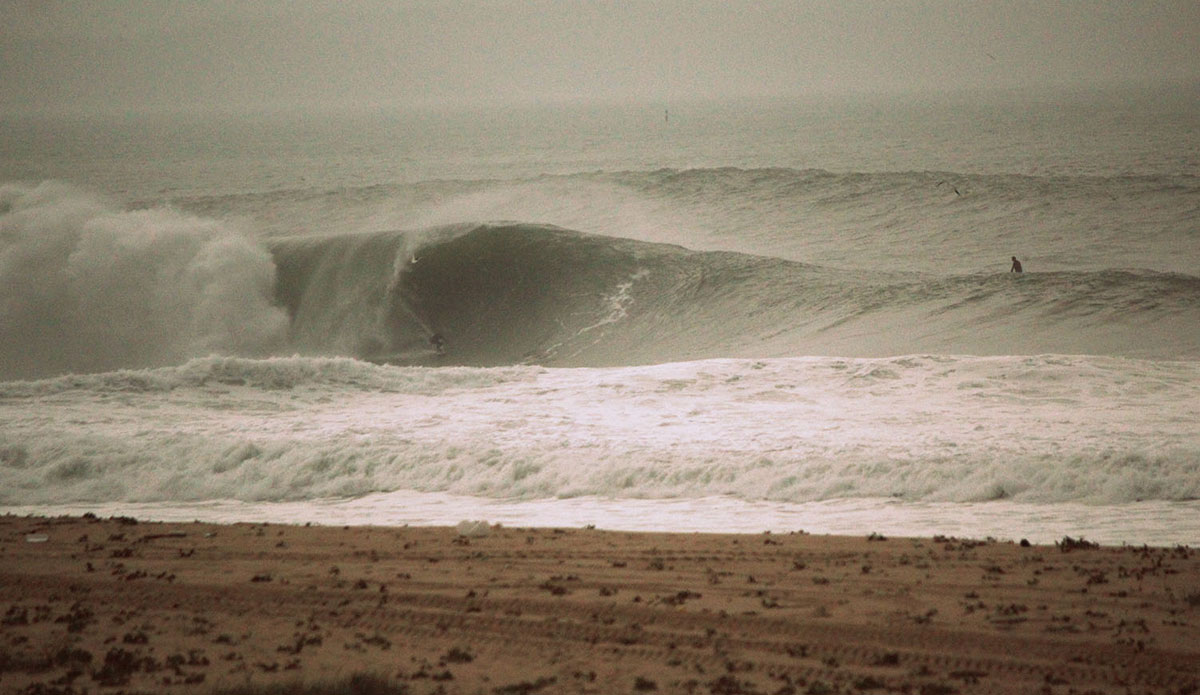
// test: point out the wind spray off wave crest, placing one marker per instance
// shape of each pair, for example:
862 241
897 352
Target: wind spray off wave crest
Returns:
90 287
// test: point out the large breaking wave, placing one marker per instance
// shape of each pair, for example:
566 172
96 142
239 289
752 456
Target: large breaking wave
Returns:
90 287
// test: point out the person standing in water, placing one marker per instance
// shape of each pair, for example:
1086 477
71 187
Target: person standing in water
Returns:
1016 266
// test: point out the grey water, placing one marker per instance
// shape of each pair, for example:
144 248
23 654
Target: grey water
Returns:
610 236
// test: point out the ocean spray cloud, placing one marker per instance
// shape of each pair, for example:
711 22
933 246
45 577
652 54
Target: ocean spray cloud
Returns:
90 287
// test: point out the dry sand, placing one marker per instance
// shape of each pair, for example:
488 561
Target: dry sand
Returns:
107 606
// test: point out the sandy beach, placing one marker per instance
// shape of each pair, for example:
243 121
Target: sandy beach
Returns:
113 605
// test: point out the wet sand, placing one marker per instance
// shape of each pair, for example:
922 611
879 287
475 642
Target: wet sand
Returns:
113 605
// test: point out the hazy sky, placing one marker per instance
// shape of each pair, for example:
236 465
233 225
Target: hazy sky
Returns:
141 54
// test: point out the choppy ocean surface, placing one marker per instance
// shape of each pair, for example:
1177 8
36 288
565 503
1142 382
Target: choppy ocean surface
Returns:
746 317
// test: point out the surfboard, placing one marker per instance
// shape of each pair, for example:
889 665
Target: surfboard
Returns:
412 358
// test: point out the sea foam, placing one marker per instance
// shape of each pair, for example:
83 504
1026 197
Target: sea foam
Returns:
917 428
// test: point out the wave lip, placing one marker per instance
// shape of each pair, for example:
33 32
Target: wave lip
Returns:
877 220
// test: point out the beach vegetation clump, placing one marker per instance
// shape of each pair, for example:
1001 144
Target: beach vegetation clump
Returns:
1067 544
358 684
458 656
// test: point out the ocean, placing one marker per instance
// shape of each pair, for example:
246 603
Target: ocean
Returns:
700 316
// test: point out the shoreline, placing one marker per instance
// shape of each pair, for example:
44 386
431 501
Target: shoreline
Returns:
1156 522
116 605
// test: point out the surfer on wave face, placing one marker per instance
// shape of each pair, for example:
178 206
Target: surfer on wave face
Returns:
1016 266
438 343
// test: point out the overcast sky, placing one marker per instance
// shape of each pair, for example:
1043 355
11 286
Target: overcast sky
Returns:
139 54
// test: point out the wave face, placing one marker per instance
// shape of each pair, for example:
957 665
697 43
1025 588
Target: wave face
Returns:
1039 429
517 293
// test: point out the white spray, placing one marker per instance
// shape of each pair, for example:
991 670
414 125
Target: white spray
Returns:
88 287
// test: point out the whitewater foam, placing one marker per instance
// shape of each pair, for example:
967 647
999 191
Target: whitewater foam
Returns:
917 428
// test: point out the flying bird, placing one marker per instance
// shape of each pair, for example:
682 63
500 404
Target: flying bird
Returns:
954 187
